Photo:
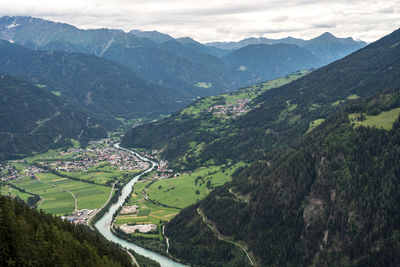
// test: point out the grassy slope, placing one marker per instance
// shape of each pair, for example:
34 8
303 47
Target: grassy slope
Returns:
181 191
383 120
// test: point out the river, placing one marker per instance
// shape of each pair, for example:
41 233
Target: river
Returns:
104 224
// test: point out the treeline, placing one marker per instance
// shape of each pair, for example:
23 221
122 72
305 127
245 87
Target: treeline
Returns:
29 237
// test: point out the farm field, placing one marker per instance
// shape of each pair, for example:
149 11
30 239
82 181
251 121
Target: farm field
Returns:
187 189
58 201
383 120
148 213
101 174
5 189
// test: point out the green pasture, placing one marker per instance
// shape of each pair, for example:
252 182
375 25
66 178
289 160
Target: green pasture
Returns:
314 124
203 85
183 190
5 190
384 120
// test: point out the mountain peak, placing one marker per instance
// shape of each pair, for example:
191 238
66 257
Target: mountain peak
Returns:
327 35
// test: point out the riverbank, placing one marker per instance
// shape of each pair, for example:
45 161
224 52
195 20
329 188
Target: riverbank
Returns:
103 225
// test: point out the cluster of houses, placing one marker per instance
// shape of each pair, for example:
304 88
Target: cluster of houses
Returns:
230 109
87 158
79 216
8 172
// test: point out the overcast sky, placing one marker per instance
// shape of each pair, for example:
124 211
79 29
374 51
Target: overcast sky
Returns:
219 20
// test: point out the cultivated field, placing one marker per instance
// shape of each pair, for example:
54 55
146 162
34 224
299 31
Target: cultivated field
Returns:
58 193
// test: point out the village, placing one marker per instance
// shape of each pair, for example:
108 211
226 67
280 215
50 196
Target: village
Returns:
230 109
9 172
76 160
83 159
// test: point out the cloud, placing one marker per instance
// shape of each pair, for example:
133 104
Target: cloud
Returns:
322 24
210 20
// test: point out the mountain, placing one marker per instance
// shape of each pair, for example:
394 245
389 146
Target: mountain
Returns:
330 48
331 199
33 120
30 237
201 48
256 41
277 116
324 191
139 51
194 68
154 36
103 87
326 47
256 63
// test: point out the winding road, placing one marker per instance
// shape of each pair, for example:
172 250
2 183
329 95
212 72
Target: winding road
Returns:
220 236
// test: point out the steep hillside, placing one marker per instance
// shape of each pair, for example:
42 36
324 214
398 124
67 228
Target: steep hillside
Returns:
280 115
32 238
255 63
104 87
331 199
33 119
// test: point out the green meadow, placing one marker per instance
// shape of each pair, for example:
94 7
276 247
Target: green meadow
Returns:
314 124
185 190
6 190
384 120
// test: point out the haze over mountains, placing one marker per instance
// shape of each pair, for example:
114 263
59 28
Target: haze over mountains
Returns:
166 61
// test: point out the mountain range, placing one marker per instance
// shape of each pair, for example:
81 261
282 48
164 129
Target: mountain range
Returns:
323 187
326 46
176 63
112 76
321 148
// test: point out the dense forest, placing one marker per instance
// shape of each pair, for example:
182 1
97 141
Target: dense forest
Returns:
280 115
34 120
32 238
330 199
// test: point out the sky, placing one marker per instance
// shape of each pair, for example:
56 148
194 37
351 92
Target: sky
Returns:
222 20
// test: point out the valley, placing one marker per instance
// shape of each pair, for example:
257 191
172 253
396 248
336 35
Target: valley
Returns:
135 148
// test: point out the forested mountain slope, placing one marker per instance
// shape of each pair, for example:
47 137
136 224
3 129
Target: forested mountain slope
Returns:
107 88
279 115
330 199
33 119
32 238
